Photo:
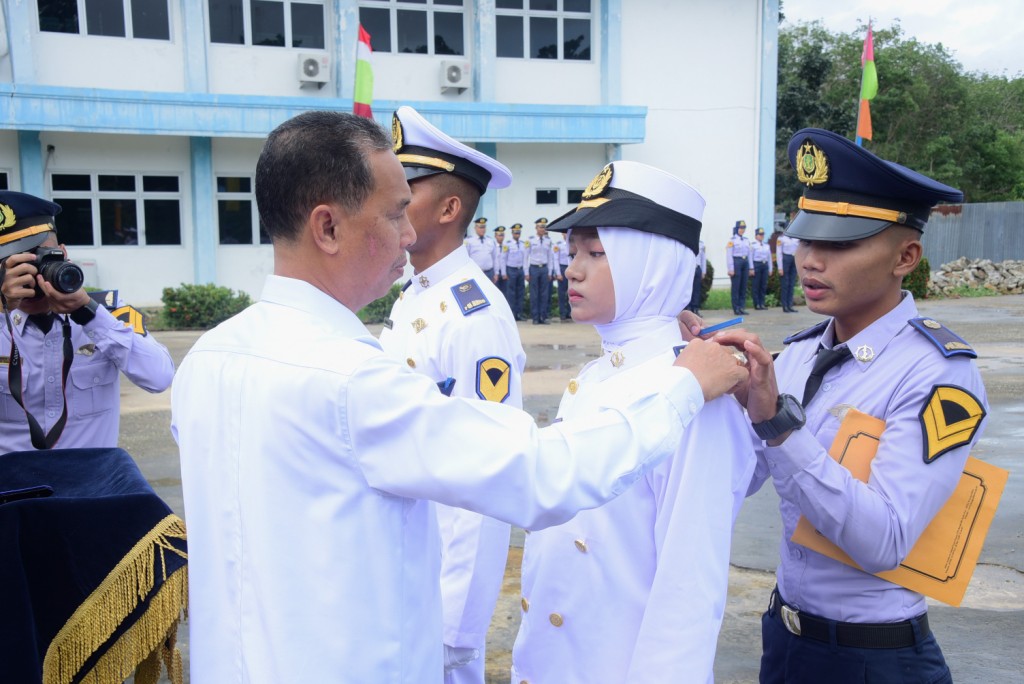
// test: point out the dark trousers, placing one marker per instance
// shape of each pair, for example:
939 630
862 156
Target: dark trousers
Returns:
501 283
739 282
489 272
695 291
563 293
540 293
759 286
515 290
788 280
790 659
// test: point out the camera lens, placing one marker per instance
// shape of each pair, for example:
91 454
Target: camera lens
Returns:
63 275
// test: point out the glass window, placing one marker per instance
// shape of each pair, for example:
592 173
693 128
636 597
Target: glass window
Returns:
267 23
547 196
227 24
150 19
236 215
557 29
126 215
274 23
574 196
74 222
3 181
58 16
307 25
415 26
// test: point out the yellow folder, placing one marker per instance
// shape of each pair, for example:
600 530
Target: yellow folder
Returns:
942 561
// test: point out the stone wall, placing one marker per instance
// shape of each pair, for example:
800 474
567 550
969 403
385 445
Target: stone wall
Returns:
1006 277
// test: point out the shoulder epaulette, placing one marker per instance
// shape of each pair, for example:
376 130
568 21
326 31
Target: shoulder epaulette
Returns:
470 297
948 342
132 318
815 329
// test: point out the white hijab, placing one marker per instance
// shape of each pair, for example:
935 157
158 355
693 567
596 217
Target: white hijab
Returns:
652 276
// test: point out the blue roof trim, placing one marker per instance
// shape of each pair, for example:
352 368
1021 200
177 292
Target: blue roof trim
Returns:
88 110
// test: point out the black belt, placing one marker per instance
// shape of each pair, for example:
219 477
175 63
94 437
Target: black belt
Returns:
850 634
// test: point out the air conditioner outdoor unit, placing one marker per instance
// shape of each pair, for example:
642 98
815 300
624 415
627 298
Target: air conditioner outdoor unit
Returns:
455 75
314 68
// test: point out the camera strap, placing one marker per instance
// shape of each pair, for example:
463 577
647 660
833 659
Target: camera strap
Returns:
40 439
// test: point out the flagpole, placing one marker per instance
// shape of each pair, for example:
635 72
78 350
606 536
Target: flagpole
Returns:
857 139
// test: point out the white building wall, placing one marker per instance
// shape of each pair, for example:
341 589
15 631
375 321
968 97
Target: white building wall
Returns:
697 73
9 158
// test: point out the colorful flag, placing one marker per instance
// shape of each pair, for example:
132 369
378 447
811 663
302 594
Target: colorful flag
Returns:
868 88
363 94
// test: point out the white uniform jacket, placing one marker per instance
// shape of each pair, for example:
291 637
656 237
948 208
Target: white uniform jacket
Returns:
104 347
634 591
307 456
480 350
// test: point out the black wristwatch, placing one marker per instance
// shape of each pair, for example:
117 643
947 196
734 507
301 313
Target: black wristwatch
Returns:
85 313
789 416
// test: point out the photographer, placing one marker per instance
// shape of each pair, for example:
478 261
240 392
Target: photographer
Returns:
60 352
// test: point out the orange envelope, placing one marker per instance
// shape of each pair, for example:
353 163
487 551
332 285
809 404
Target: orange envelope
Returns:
942 561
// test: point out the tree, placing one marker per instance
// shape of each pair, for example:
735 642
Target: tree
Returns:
963 129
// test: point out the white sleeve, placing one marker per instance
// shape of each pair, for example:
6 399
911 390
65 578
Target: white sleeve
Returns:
412 441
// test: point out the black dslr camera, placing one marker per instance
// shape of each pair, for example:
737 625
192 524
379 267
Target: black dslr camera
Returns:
65 276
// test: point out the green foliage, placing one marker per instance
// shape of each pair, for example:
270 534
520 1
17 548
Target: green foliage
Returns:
962 128
377 311
965 291
200 306
705 283
917 280
718 299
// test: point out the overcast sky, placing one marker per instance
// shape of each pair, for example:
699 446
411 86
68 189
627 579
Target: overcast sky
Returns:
983 35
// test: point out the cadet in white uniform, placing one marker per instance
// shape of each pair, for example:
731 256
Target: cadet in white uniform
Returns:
634 591
308 456
454 326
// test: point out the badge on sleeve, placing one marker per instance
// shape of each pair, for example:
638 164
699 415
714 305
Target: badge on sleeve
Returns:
132 318
949 419
470 297
493 376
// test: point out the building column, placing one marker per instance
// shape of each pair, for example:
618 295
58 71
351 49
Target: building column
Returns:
204 212
769 62
30 159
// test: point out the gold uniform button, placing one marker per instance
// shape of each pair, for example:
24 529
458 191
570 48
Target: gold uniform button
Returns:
573 386
581 545
411 362
525 604
556 619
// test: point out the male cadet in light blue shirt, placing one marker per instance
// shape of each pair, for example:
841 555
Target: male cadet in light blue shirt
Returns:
483 249
860 234
500 275
542 272
514 258
761 259
561 250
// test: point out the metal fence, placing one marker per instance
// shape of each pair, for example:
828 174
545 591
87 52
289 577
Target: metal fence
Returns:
994 230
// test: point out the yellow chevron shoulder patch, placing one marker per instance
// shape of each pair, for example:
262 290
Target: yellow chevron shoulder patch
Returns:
493 379
132 318
950 418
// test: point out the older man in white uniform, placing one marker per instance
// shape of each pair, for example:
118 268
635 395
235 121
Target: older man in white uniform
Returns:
451 322
308 456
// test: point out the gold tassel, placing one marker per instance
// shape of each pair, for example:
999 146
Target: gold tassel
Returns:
120 592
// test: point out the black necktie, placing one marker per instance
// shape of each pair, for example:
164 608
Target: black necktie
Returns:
481 239
42 321
826 358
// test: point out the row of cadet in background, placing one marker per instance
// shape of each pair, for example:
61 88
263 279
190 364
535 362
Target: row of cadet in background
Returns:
539 261
753 258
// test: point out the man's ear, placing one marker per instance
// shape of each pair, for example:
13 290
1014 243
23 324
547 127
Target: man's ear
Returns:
451 208
908 257
324 224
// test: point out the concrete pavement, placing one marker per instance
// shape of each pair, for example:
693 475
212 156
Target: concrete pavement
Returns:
980 639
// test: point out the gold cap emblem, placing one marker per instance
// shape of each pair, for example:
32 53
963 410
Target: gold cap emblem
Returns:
600 182
7 217
811 165
396 133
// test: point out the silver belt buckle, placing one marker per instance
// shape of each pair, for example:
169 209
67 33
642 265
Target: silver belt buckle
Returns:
791 619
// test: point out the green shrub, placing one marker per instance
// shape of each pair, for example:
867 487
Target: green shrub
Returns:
200 306
379 310
917 280
705 283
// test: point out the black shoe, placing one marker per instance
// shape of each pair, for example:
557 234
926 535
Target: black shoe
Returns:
743 312
790 310
544 323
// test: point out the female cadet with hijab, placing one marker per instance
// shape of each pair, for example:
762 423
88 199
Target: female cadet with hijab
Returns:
634 591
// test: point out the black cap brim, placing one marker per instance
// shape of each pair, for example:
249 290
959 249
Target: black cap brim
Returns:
832 228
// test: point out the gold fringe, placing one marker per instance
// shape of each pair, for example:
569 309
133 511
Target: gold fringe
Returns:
121 591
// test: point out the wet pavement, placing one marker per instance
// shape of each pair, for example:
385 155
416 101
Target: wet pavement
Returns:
980 639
